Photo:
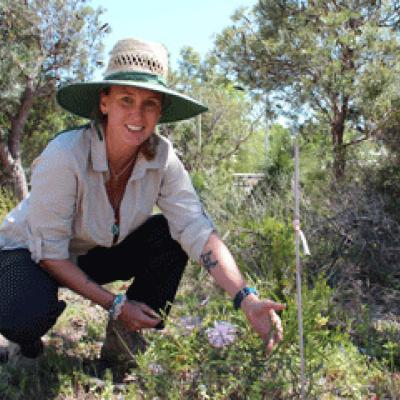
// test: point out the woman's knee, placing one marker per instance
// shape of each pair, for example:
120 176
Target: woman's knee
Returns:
28 296
158 236
28 324
155 227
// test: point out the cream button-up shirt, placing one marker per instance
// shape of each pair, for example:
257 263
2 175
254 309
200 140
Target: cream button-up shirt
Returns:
68 211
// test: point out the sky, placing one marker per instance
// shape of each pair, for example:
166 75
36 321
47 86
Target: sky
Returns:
175 23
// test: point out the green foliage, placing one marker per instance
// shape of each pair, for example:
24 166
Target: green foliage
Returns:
264 248
7 202
279 166
42 126
329 63
44 43
251 156
216 189
182 363
385 180
231 121
379 338
333 362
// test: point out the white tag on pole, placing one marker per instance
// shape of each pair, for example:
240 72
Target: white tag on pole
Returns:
296 226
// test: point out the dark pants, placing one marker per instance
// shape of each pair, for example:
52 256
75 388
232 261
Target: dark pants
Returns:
29 304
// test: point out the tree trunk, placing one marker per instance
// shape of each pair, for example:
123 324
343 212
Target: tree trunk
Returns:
19 180
14 141
337 132
339 162
13 167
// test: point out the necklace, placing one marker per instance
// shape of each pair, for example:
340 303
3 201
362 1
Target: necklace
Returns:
117 175
116 184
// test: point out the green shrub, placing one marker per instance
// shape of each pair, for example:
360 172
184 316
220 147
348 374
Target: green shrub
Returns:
264 248
182 364
7 202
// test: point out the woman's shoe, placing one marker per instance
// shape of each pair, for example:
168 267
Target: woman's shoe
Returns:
25 355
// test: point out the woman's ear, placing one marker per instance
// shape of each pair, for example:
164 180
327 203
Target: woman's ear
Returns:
103 103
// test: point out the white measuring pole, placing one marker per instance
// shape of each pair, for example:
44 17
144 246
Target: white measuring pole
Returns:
296 189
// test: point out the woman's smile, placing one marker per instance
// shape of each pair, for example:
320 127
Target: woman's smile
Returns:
132 115
134 128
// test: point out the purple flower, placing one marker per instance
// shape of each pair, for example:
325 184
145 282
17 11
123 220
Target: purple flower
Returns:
155 369
190 323
223 334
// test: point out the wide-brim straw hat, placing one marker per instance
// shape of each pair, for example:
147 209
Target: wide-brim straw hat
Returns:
136 63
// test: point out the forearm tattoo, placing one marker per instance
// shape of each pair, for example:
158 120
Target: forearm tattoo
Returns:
208 260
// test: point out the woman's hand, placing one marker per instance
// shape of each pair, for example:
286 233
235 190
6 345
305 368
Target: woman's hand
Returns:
136 315
264 320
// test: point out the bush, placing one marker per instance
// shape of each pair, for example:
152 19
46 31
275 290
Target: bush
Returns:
182 363
264 248
7 202
354 239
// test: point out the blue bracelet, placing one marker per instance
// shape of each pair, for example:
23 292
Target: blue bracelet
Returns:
241 294
115 310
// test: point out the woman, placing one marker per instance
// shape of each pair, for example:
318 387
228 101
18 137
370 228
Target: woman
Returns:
88 219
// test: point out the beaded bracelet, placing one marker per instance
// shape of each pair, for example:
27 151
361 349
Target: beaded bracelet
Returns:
241 294
116 308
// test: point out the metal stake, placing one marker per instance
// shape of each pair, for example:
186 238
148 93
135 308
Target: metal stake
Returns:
298 232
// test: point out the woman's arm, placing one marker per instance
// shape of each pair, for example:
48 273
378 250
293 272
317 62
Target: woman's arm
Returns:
71 276
218 261
135 315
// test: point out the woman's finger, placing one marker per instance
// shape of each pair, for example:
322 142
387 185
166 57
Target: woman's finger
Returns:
143 322
272 305
275 334
149 311
270 344
277 325
147 322
137 314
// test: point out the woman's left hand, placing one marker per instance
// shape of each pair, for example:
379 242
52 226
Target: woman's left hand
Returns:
264 319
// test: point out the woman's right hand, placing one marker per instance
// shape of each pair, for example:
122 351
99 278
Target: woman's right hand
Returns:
136 315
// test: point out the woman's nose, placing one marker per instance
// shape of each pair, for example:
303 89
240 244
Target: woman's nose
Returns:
136 112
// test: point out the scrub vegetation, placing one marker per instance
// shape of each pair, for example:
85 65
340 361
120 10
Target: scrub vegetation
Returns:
319 61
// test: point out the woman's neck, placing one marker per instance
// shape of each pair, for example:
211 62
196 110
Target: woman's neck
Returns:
119 156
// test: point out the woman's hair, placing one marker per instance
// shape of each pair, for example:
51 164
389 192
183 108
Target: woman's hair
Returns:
148 148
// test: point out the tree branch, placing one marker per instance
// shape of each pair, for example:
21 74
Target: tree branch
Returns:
355 141
214 123
320 106
238 143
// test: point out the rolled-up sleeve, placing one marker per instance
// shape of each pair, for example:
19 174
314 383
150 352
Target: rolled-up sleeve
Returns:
51 204
187 220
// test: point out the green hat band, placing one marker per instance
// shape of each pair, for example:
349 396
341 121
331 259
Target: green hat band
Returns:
136 76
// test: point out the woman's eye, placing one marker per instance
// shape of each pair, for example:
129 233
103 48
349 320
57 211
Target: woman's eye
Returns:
127 100
151 105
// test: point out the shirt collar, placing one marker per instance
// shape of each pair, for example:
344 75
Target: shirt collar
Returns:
99 156
139 170
98 148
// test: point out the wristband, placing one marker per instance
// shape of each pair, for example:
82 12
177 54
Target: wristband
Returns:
241 294
116 308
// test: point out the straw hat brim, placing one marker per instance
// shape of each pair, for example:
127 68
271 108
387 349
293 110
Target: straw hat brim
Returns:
82 99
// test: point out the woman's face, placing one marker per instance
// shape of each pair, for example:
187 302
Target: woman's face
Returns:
132 114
